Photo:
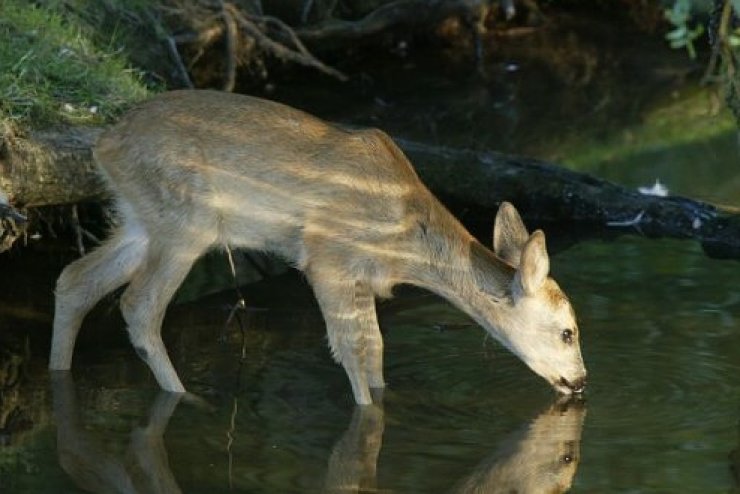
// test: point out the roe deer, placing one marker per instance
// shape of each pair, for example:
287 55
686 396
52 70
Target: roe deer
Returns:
192 169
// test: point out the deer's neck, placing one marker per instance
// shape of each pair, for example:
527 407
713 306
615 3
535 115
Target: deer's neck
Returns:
455 265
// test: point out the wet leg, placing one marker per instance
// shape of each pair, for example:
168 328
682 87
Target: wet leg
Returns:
368 320
344 330
84 282
144 302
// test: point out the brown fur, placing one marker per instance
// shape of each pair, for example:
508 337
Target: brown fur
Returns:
193 170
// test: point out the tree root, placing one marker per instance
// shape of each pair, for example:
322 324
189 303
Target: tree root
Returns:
409 12
81 232
240 30
12 226
230 48
256 26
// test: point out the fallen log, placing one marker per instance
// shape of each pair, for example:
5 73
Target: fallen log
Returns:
546 193
50 167
55 168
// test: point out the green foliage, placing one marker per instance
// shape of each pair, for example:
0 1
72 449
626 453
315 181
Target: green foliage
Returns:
672 123
682 36
51 71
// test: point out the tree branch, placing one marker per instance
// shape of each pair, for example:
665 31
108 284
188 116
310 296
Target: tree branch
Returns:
301 56
409 12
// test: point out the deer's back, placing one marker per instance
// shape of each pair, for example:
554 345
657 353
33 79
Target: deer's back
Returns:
259 171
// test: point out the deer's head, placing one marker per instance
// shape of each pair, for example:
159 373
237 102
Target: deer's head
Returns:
527 311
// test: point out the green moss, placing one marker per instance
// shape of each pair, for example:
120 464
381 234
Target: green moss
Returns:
51 71
678 121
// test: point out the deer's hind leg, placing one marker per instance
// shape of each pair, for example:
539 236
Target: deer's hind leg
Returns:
84 282
145 300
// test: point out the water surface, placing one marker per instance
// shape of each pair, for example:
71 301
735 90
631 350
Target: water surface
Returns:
659 336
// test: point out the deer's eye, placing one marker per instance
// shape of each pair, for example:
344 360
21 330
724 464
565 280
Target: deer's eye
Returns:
567 336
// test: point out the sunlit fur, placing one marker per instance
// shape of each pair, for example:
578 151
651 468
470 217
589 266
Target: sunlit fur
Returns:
194 170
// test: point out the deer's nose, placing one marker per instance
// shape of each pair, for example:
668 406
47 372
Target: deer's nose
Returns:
576 386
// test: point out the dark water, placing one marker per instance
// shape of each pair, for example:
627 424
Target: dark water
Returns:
661 413
660 336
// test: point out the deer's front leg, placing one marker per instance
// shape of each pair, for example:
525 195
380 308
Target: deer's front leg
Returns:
345 330
368 319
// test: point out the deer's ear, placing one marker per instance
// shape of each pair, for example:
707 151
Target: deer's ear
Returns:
509 234
534 266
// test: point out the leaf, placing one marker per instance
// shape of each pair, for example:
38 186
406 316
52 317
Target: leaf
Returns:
677 33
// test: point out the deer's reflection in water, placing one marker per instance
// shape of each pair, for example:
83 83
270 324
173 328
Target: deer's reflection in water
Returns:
541 457
144 468
353 461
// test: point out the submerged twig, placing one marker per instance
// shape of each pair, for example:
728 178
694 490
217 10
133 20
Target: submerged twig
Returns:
230 441
238 307
627 223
